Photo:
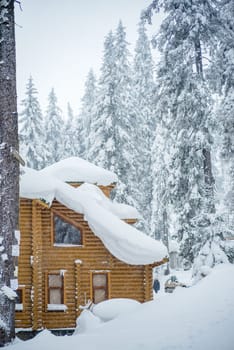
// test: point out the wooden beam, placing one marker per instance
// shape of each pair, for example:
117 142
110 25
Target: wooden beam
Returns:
161 262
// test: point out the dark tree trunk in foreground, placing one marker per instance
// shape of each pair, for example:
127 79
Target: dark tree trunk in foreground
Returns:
9 167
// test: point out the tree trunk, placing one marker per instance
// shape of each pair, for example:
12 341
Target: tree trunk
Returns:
207 164
166 237
198 58
209 182
9 166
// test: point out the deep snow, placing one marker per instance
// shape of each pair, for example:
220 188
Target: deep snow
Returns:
197 318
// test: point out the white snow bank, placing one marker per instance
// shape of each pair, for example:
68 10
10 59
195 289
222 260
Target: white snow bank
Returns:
86 322
196 318
105 311
75 169
109 309
124 241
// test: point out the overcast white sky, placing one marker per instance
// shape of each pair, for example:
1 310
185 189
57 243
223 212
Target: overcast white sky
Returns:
58 41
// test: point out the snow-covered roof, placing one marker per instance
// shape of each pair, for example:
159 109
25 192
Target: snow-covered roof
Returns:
75 169
104 216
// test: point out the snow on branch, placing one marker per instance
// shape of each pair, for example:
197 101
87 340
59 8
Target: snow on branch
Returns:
8 292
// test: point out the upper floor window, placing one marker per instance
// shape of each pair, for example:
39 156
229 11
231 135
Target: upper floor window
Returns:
66 233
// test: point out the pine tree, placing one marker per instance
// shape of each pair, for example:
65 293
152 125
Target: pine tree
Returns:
223 71
114 120
70 141
187 31
88 110
80 142
54 130
144 88
102 134
32 129
160 173
125 118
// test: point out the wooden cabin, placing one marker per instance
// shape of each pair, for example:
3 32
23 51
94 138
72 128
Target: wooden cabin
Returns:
62 265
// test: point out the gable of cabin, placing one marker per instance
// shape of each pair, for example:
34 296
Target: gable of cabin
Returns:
56 277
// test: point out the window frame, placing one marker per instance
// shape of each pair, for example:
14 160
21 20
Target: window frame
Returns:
57 307
70 222
107 288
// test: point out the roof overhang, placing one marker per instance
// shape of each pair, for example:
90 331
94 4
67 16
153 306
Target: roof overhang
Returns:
161 262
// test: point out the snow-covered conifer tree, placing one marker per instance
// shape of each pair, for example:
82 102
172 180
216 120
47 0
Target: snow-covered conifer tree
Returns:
222 80
144 88
102 133
88 109
79 134
70 141
187 31
125 118
32 129
224 65
54 125
114 120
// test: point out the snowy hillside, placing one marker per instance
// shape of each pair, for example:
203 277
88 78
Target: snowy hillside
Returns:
196 318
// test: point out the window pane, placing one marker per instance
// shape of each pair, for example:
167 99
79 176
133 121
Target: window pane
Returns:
55 296
99 280
55 281
65 233
99 295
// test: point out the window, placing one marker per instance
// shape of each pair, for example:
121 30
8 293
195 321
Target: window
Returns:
56 292
66 233
99 287
19 300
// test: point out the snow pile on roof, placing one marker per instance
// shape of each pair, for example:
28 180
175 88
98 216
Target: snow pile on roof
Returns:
33 185
122 211
75 169
104 217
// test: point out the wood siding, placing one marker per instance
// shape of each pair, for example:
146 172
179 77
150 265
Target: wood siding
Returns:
23 318
76 263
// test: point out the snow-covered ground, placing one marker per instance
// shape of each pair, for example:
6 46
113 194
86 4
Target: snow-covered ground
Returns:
199 318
